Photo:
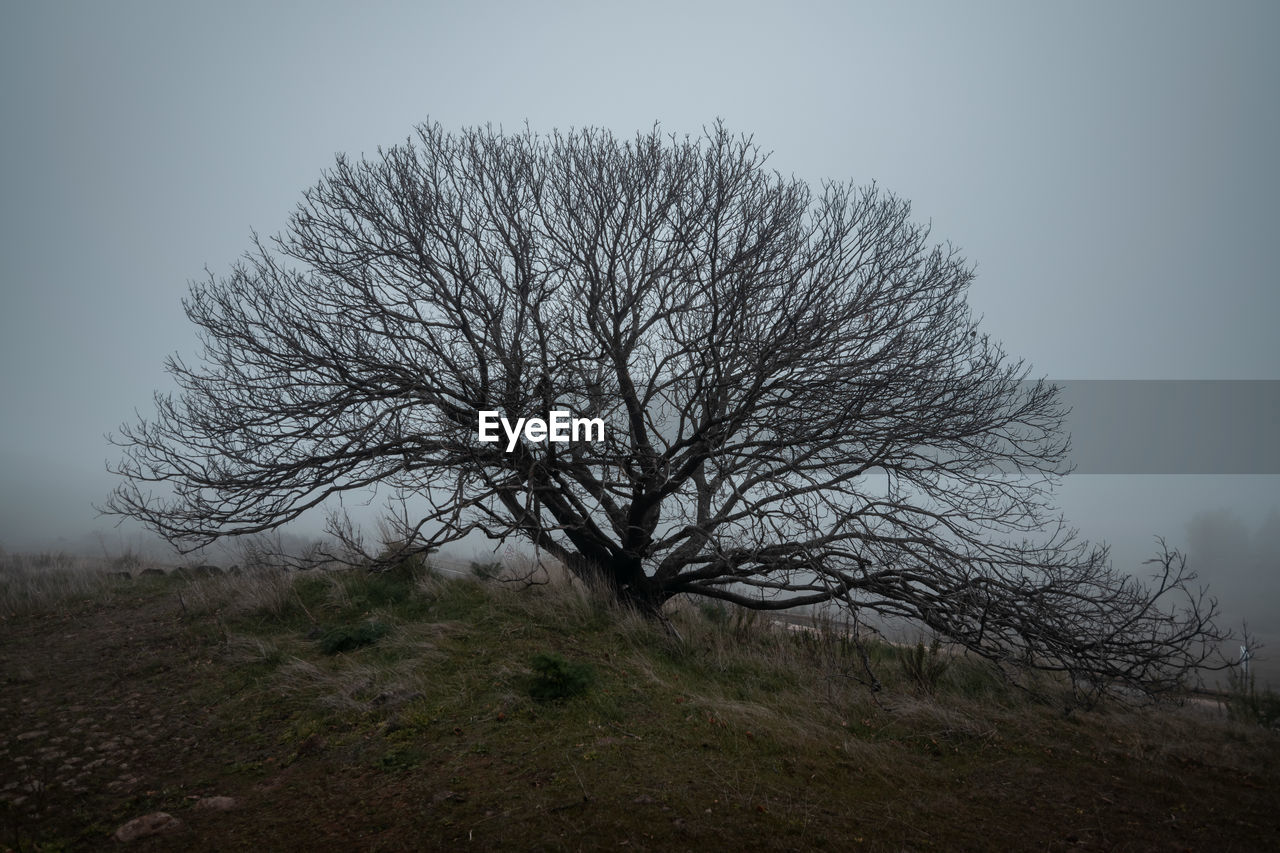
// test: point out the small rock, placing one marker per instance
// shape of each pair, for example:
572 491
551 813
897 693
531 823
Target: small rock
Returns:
155 823
217 804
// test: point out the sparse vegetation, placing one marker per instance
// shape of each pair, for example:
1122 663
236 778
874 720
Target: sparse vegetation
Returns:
924 666
37 583
346 638
1247 704
486 570
717 729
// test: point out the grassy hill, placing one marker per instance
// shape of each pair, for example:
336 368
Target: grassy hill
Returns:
405 710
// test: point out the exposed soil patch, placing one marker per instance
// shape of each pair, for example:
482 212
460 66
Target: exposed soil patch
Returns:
102 718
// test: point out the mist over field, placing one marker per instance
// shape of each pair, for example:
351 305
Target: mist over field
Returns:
1107 175
1108 171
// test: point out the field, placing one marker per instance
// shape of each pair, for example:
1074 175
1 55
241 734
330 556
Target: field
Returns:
409 711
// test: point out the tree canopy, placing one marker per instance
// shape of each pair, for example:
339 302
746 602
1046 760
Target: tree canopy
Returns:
799 405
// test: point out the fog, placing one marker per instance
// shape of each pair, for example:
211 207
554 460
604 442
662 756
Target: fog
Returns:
1110 170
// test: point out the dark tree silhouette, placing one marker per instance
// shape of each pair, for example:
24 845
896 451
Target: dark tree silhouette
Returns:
800 407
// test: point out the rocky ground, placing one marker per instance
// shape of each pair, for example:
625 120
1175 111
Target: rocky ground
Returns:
100 717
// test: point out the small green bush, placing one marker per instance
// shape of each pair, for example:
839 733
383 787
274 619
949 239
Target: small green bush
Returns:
346 638
394 585
556 678
924 666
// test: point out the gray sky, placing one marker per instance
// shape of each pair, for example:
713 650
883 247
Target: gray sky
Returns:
1109 168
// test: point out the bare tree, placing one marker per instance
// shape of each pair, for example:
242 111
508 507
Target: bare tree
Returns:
800 406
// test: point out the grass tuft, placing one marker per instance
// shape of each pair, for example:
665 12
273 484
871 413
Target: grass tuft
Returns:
924 666
347 638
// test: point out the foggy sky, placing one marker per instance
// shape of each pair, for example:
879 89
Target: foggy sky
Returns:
1108 168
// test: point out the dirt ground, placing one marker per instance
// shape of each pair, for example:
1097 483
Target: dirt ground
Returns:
119 710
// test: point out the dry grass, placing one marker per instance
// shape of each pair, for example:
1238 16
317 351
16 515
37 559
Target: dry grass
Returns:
718 727
39 583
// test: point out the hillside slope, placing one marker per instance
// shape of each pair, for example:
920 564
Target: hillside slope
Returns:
398 712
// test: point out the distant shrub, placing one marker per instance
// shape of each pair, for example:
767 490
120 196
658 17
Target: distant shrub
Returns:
924 666
740 621
392 585
346 638
401 560
556 678
1246 704
714 612
486 571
